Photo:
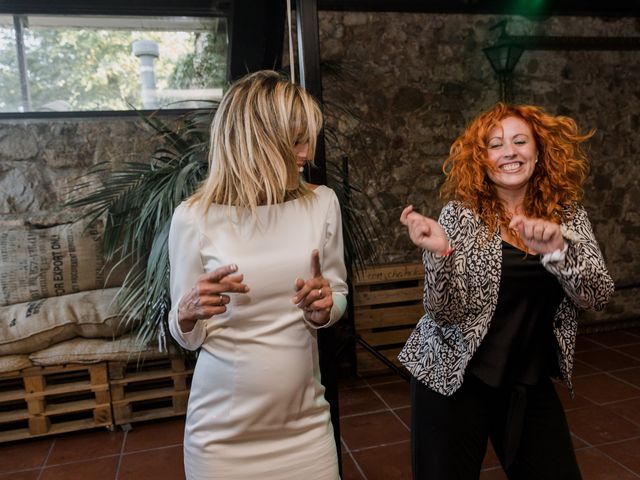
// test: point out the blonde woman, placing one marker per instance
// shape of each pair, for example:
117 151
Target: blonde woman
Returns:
256 268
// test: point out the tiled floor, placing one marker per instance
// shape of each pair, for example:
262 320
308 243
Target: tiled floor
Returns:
604 417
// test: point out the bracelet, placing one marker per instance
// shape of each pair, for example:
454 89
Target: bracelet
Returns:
447 252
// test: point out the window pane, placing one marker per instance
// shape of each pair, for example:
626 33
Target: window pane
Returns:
114 63
10 100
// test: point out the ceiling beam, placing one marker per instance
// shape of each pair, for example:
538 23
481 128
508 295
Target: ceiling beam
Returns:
118 7
611 8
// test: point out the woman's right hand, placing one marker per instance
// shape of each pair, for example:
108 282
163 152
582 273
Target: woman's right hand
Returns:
207 297
425 232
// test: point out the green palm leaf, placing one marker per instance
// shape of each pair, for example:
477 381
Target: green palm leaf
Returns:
138 200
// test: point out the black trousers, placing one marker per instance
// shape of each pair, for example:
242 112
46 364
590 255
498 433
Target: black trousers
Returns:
526 425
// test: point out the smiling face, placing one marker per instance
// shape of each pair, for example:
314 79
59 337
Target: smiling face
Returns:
512 152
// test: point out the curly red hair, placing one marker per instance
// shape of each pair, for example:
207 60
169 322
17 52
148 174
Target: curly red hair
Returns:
557 180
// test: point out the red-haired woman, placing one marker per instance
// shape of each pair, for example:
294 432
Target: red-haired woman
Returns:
508 265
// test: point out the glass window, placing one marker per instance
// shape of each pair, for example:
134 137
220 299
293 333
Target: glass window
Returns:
89 63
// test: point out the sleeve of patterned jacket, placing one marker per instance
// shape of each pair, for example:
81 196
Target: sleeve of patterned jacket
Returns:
582 273
445 286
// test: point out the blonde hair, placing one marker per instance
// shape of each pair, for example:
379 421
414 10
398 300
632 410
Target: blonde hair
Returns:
251 155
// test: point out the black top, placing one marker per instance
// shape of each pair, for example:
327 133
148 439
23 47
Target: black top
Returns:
519 345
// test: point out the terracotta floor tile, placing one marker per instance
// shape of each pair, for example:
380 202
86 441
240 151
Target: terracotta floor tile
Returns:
160 433
595 465
629 409
597 425
495 473
632 350
603 388
405 415
389 462
349 469
578 401
96 469
581 368
359 400
612 339
24 454
633 331
607 359
583 343
23 475
577 443
159 464
372 429
627 453
344 448
383 378
78 446
351 382
490 458
629 375
394 394
604 418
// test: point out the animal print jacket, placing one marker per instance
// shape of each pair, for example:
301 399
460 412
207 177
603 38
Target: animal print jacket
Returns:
461 293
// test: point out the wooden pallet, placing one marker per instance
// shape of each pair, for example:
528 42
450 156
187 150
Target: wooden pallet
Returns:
148 389
41 401
387 305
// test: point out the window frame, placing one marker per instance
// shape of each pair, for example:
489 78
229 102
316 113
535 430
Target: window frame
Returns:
168 8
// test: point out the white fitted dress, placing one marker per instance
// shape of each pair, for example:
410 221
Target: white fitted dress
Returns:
257 408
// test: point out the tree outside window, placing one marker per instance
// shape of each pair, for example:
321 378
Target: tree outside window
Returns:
88 64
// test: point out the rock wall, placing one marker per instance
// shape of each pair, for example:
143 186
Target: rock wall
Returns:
41 160
416 80
407 86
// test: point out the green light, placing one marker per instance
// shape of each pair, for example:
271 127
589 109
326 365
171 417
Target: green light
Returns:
528 7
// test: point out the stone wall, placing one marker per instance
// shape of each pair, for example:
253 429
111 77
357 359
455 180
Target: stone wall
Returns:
410 83
41 160
416 80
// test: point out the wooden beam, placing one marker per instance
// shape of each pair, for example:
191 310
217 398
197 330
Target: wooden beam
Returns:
613 8
118 7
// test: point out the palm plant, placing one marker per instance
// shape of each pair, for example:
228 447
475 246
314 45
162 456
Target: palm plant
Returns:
138 200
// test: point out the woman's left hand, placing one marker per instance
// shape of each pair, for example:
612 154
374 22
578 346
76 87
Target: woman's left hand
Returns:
314 295
541 236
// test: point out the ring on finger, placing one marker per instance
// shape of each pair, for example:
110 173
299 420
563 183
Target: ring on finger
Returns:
320 294
221 302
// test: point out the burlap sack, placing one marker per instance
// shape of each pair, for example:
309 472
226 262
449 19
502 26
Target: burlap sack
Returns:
32 326
82 350
39 263
13 363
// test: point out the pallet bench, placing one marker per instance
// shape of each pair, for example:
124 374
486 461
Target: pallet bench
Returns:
39 401
387 305
154 389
